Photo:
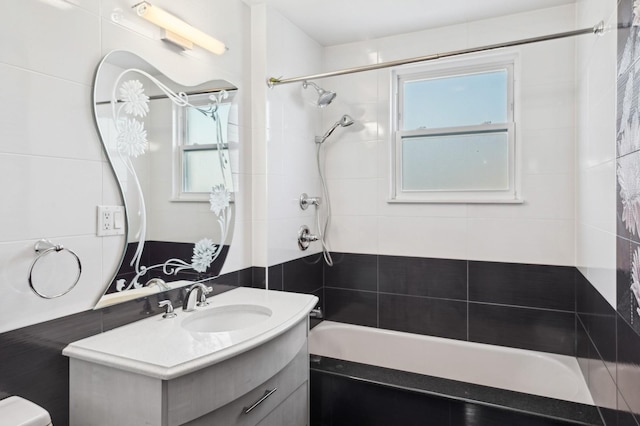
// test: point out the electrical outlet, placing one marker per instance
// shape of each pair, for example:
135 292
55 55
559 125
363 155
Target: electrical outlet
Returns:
110 220
107 220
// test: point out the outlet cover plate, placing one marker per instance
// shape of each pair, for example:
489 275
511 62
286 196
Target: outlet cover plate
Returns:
110 220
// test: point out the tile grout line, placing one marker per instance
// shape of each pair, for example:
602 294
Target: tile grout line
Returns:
378 291
468 322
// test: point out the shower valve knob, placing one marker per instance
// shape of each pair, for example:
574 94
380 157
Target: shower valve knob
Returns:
305 238
306 201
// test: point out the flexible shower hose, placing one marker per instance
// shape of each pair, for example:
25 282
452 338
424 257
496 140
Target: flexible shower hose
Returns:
322 230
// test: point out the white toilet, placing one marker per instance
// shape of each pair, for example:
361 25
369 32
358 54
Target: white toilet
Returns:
16 411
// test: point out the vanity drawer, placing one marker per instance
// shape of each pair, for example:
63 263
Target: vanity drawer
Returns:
292 380
192 396
294 411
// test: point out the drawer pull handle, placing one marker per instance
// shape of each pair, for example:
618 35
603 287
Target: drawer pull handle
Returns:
266 395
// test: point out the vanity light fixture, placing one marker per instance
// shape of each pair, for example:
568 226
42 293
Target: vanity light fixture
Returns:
178 31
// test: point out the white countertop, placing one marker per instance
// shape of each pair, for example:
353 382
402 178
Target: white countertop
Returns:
162 348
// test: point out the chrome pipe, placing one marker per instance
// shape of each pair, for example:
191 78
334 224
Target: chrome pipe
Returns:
597 29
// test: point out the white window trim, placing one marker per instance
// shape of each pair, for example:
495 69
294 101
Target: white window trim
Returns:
179 136
457 66
179 148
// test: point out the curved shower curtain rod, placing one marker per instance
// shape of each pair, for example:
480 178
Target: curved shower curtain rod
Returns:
598 29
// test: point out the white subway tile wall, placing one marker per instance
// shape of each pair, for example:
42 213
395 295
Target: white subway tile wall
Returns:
539 231
52 168
595 148
292 121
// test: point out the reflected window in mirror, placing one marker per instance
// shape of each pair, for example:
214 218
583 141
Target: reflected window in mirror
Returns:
200 141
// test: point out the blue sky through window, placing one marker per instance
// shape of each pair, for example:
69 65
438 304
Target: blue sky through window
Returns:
463 100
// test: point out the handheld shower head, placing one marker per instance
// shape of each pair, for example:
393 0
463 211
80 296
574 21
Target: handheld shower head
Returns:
344 121
324 96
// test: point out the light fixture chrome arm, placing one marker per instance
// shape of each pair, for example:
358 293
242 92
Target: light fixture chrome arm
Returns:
598 29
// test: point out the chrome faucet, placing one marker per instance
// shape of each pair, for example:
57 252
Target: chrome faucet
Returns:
196 296
316 313
158 282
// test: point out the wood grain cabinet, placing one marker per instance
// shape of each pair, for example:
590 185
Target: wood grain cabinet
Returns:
267 386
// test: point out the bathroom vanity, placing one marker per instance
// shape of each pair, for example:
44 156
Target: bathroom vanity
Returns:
242 360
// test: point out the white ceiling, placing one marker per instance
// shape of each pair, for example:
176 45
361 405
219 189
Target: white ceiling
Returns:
332 22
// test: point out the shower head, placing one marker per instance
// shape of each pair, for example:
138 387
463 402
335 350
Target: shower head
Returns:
344 121
324 97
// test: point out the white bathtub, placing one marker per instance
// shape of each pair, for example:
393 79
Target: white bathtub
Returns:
538 373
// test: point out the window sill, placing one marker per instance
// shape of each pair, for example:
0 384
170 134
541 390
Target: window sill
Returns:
203 198
460 201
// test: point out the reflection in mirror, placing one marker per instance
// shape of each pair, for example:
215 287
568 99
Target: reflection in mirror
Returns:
168 146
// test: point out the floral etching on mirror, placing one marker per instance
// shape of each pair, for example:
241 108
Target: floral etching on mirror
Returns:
628 163
168 146
132 142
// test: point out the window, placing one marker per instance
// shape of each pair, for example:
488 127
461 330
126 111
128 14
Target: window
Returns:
454 131
201 149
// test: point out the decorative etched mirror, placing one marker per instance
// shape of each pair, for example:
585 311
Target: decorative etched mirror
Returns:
168 146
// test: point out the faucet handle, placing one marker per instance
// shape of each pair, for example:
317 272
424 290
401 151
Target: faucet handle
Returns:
169 313
203 296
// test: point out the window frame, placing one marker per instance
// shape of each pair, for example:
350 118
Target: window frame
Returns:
472 64
180 117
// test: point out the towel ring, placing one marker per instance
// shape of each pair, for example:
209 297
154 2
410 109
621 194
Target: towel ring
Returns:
43 248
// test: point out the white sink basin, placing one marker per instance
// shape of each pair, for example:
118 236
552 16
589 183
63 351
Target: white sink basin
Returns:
226 318
235 322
